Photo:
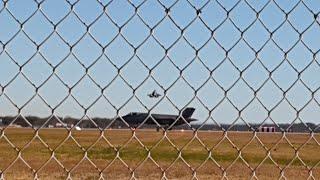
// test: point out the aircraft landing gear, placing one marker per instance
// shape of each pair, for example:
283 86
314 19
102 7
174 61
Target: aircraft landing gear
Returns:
167 128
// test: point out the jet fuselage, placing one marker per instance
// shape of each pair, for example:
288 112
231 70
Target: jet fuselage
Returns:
137 118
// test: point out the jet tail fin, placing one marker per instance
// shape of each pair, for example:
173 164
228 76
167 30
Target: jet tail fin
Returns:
187 113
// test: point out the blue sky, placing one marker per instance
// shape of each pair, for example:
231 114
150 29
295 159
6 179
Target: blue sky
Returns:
200 55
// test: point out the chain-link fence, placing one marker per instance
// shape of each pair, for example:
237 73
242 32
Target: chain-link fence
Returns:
85 84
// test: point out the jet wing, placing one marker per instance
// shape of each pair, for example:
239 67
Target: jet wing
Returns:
164 119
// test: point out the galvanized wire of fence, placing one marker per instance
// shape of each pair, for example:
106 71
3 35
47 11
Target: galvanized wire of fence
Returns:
260 27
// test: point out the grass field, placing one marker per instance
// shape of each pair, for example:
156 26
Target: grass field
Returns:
134 153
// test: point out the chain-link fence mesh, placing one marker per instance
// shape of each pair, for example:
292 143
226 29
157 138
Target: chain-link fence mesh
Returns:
71 70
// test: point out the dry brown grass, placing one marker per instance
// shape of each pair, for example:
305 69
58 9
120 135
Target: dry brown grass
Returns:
102 155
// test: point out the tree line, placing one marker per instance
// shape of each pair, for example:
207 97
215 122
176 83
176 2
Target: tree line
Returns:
102 123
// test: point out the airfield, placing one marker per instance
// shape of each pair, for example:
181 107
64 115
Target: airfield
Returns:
148 153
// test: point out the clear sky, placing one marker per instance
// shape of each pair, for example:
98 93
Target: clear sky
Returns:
211 52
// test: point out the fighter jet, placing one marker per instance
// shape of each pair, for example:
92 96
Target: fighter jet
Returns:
136 118
154 94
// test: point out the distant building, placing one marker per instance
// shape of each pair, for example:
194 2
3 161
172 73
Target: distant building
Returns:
267 129
60 125
15 126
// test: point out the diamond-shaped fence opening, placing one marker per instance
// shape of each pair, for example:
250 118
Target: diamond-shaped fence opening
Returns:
184 89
